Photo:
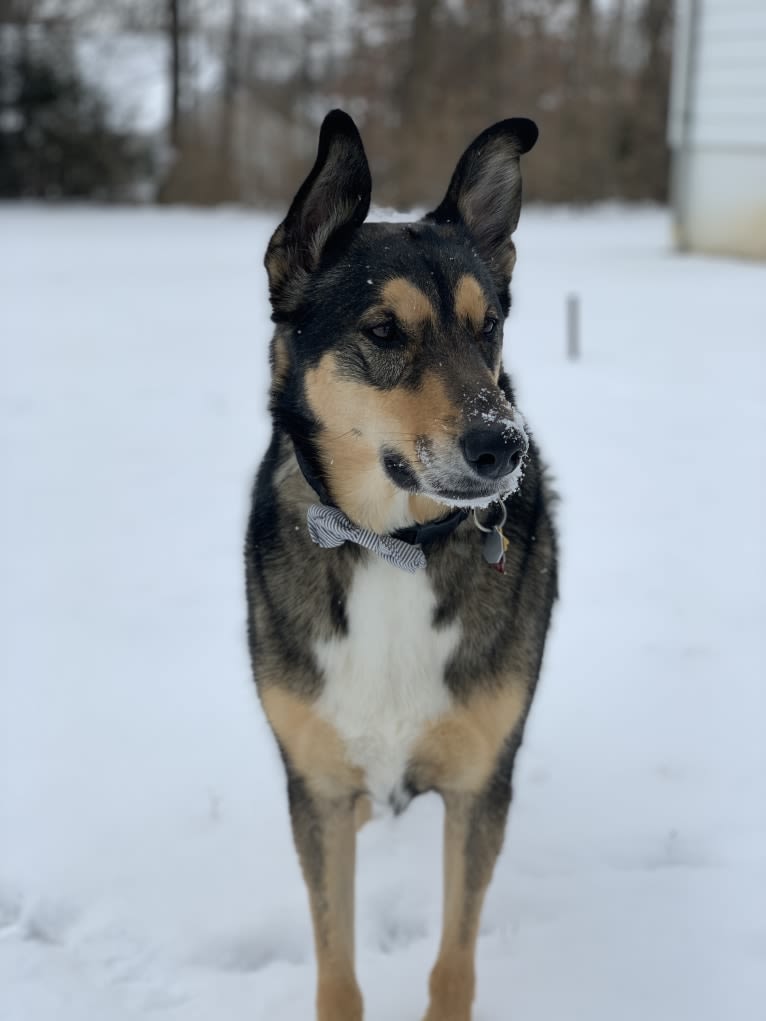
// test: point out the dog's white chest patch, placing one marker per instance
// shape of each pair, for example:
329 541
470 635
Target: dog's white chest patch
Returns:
384 681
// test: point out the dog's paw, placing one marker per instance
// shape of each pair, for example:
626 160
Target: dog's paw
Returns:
447 1013
451 988
339 1000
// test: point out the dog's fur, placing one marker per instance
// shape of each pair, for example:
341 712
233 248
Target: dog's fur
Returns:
378 683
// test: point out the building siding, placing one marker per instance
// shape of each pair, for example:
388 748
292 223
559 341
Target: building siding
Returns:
717 126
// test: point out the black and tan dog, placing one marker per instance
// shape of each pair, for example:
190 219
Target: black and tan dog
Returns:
396 635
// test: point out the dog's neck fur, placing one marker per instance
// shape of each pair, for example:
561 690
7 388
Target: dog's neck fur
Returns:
375 503
415 532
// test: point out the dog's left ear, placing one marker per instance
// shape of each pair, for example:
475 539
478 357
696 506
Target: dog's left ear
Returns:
485 194
331 203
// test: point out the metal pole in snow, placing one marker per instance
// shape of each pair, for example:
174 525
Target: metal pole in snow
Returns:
573 327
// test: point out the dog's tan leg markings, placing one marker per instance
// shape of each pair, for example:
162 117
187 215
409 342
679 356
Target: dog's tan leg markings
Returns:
459 755
324 830
473 836
323 790
332 908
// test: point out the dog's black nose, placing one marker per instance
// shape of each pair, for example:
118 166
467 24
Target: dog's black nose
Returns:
493 453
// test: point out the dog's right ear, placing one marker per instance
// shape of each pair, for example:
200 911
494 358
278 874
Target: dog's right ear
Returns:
485 195
331 203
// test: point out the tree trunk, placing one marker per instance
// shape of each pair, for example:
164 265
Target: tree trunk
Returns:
654 84
413 99
493 58
174 41
231 87
576 160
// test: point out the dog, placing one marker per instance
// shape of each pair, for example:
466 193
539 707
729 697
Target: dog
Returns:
401 555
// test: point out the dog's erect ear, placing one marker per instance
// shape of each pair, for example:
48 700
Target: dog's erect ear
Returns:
485 194
331 202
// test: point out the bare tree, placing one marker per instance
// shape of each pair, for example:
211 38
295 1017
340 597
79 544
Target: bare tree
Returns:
422 76
232 67
413 96
577 164
655 23
175 72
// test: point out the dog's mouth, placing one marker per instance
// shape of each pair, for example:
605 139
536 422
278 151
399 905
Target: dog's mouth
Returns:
400 471
454 485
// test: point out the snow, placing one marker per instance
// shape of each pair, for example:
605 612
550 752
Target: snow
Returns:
146 865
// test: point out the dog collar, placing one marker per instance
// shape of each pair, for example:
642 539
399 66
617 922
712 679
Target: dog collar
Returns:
329 527
416 535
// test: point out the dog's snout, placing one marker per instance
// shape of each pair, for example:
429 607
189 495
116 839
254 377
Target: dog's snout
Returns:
493 453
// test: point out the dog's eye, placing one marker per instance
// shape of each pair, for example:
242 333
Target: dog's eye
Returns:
385 333
489 326
382 331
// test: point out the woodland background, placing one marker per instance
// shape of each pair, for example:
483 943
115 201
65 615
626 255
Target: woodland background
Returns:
210 101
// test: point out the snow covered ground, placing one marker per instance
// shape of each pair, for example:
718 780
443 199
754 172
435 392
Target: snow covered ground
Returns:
146 865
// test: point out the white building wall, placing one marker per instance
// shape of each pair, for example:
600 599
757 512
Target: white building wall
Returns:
717 126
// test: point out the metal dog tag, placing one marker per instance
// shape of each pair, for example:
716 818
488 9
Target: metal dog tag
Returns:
493 549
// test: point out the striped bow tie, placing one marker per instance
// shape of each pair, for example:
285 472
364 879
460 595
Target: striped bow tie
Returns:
329 527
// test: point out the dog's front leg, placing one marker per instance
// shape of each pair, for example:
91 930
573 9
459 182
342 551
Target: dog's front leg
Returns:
324 829
474 825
